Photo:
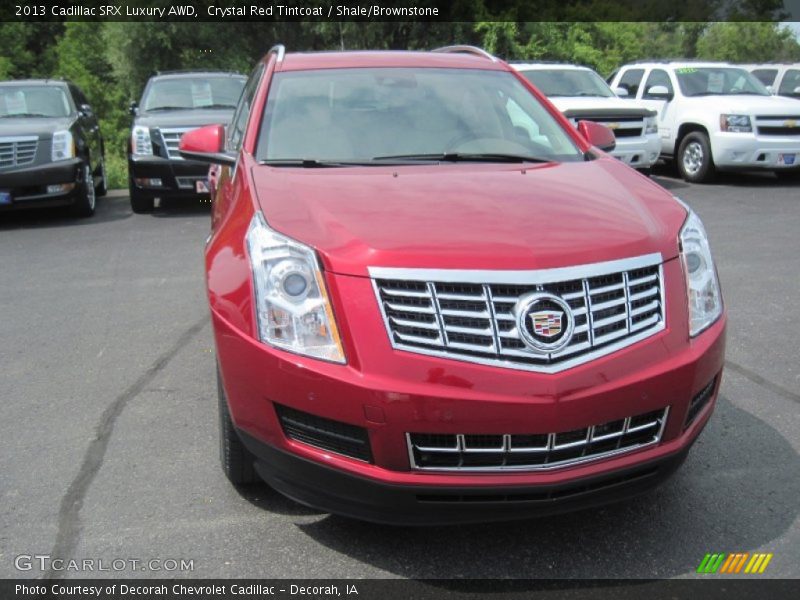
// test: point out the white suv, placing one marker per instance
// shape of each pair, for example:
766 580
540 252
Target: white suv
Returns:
582 95
716 116
780 79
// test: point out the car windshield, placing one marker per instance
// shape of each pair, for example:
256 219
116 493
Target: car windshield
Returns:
373 115
568 82
718 81
34 101
182 93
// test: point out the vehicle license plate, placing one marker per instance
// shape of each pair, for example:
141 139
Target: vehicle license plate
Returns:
786 159
5 197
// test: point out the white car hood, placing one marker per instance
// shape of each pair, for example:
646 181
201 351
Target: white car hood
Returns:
592 102
751 105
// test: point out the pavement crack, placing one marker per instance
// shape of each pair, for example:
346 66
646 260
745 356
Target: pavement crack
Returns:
763 382
69 519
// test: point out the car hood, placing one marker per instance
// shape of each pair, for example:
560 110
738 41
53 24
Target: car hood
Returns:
592 104
184 118
39 126
470 216
750 105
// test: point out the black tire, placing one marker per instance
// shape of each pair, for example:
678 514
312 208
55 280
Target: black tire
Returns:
788 174
101 189
694 160
85 197
237 461
140 203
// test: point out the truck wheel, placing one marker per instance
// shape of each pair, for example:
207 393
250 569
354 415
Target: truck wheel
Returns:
237 461
102 187
85 200
139 203
695 163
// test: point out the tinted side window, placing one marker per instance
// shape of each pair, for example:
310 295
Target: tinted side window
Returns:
630 80
790 82
766 76
657 77
239 121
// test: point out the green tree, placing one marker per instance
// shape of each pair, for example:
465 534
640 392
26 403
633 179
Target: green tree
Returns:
748 42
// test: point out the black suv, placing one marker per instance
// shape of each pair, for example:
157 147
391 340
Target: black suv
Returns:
172 104
51 150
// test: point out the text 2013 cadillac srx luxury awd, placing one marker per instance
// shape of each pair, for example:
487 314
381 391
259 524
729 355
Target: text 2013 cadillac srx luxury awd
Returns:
434 300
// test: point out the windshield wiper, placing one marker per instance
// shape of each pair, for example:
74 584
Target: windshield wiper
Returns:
217 106
466 157
309 163
155 108
26 115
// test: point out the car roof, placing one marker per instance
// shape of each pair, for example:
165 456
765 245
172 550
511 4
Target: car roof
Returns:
302 61
53 82
680 63
188 74
542 66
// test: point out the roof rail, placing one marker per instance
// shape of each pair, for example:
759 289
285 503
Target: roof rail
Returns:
280 52
474 50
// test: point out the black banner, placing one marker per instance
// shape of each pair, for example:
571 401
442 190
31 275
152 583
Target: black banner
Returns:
266 11
711 588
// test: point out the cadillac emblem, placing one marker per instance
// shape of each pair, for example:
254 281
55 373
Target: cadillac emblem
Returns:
544 322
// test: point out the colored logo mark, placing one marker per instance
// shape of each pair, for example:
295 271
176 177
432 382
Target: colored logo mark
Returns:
738 562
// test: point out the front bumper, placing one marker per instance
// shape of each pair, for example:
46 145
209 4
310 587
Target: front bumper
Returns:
27 186
340 492
178 178
639 152
390 393
747 151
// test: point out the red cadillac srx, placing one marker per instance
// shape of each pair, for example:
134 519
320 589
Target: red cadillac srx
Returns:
434 300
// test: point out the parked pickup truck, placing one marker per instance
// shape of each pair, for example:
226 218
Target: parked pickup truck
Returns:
581 94
714 116
780 79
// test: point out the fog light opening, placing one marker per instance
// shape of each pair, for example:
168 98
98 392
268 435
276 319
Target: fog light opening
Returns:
148 182
60 188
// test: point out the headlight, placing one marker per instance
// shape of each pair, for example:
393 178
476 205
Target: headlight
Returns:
140 141
702 285
735 123
650 125
63 146
292 306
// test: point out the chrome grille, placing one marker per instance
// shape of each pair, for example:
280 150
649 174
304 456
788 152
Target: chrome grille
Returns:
470 315
778 125
18 151
632 126
534 452
172 138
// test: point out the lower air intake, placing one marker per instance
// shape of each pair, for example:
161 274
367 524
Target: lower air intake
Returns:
327 434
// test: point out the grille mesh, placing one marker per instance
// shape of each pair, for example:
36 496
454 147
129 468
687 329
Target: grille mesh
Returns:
17 152
477 322
437 451
327 434
172 138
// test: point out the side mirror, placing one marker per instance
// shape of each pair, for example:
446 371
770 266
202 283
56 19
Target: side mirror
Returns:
598 135
206 144
658 92
770 89
797 90
85 110
621 92
133 108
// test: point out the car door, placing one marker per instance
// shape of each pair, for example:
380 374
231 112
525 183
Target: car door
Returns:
664 106
766 76
630 80
790 84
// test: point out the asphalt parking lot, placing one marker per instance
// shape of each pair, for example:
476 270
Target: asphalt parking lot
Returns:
108 435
